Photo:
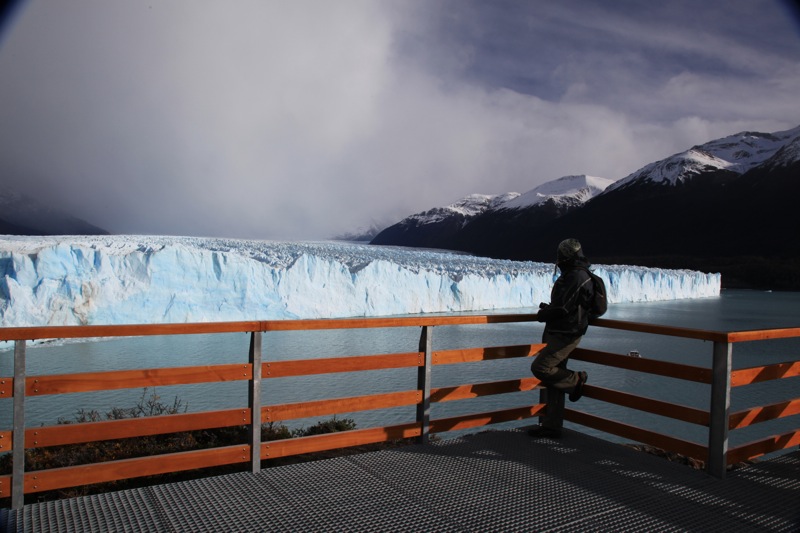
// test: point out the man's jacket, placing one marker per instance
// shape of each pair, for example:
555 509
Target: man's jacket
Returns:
567 313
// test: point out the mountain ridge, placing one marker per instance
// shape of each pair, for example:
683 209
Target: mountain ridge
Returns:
724 206
737 153
443 227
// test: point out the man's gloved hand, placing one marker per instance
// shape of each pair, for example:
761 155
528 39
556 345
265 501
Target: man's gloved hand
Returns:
548 312
542 306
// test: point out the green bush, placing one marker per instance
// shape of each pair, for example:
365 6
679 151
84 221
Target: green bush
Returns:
327 426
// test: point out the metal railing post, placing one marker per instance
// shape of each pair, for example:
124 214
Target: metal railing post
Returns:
720 409
553 399
18 439
254 401
424 383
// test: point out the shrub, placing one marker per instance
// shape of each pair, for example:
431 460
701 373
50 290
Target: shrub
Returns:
328 426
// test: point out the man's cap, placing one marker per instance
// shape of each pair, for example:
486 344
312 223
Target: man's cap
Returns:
568 249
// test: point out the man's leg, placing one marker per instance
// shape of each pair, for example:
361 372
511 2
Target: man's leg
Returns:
550 364
550 367
551 422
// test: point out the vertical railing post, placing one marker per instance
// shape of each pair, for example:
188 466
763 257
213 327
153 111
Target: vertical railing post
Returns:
18 439
424 383
254 401
553 399
720 409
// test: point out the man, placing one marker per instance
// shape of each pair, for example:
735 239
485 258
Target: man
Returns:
567 319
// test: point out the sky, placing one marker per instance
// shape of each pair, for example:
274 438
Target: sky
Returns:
308 119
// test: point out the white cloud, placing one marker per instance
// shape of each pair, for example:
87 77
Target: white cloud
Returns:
306 119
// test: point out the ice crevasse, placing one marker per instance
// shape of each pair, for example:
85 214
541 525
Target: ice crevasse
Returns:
69 280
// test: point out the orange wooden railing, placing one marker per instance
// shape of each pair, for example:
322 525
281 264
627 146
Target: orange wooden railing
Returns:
720 376
420 394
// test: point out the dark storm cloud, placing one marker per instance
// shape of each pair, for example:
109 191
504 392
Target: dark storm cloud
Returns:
306 119
613 54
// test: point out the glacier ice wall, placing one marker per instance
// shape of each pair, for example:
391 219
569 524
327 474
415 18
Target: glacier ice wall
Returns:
146 280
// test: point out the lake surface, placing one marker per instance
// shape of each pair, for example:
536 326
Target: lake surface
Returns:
733 310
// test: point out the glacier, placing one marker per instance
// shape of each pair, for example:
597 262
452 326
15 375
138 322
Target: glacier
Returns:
94 280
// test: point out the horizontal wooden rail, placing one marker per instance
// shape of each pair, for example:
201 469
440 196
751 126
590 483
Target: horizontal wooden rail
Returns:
58 478
761 447
649 405
747 376
293 411
698 334
471 355
343 439
482 419
133 427
307 367
131 330
476 390
756 415
404 322
649 366
689 449
686 333
137 330
763 334
134 379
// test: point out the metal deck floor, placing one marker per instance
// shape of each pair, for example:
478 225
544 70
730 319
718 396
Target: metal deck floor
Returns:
493 481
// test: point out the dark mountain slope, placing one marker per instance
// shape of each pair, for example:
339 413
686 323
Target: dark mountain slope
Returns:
22 215
8 228
746 227
437 227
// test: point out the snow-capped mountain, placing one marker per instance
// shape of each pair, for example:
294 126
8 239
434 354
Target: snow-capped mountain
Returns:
569 191
441 227
435 227
21 215
363 234
735 154
787 155
464 209
724 206
498 228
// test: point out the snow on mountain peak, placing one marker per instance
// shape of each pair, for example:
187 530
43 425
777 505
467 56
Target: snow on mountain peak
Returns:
475 204
469 207
746 150
570 188
788 154
736 153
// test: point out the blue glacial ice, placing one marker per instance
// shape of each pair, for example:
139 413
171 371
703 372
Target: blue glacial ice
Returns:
150 279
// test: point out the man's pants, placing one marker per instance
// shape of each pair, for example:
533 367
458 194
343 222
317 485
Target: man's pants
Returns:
550 364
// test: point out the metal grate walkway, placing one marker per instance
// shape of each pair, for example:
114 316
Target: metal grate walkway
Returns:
493 481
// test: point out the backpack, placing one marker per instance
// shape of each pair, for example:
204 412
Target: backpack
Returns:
598 304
